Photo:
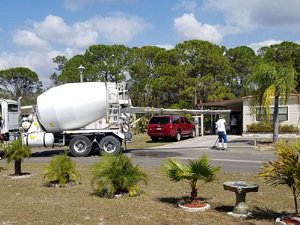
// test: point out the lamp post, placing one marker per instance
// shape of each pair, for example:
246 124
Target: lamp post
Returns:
81 69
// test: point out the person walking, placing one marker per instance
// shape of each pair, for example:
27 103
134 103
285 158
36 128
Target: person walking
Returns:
221 129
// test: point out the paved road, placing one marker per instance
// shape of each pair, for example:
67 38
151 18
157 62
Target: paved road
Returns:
241 156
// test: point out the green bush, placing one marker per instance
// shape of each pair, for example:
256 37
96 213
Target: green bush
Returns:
268 128
61 171
141 126
288 129
285 170
115 174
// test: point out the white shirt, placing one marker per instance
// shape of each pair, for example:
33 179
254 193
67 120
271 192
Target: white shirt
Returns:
220 125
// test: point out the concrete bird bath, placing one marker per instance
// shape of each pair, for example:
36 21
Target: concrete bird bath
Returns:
241 188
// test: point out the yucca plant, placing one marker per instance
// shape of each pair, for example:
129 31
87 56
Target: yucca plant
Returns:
192 172
115 174
285 170
15 151
61 171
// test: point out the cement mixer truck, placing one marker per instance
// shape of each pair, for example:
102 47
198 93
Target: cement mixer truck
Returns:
9 119
83 116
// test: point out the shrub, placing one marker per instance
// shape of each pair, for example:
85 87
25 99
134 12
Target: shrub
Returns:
285 170
61 171
268 128
15 151
288 129
115 174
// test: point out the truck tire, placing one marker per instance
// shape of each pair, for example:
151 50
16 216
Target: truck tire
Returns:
178 136
110 144
80 146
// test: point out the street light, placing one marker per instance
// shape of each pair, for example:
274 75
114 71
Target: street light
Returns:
81 69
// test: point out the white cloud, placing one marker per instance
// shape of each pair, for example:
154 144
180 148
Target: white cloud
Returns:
38 61
257 45
187 27
43 40
251 14
115 29
186 6
118 28
74 5
29 39
52 27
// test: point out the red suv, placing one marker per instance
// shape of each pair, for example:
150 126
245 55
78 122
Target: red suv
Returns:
170 126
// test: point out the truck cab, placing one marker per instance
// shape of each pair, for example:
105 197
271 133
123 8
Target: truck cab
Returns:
9 120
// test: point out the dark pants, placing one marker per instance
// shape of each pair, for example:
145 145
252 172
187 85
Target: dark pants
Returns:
222 136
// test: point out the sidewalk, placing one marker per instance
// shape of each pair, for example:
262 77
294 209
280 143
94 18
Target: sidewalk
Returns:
208 141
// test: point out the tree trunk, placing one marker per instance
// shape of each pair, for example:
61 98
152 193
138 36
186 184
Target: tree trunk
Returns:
18 167
194 194
275 117
295 201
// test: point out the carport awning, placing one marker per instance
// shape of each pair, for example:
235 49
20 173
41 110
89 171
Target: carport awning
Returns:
232 104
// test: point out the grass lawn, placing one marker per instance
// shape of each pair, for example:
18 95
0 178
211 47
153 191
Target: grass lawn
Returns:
26 201
142 141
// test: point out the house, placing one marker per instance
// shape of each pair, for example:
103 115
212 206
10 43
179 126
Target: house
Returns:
289 113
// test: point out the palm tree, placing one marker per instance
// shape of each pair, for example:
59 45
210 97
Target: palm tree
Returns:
115 174
268 81
284 171
194 171
15 151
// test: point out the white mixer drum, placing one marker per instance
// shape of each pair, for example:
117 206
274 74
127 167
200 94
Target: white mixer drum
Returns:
71 106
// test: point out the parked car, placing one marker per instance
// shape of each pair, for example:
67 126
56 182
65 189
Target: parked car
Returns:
170 126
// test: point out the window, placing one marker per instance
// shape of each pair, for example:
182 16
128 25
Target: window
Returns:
282 113
12 108
159 120
175 119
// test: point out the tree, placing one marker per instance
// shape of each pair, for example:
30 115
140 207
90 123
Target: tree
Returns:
107 62
19 82
194 171
242 59
206 62
284 53
271 80
60 61
15 151
142 65
70 73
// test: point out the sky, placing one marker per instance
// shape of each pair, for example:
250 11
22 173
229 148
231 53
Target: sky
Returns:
33 32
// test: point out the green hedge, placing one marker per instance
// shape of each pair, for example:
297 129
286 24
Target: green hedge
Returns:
268 128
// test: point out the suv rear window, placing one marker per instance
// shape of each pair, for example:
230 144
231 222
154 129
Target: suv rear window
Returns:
159 120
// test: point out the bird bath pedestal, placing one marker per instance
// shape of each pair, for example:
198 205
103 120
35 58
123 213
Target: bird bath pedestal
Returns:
240 188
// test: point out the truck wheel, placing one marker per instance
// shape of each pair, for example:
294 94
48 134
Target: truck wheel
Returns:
110 144
178 136
80 146
193 134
